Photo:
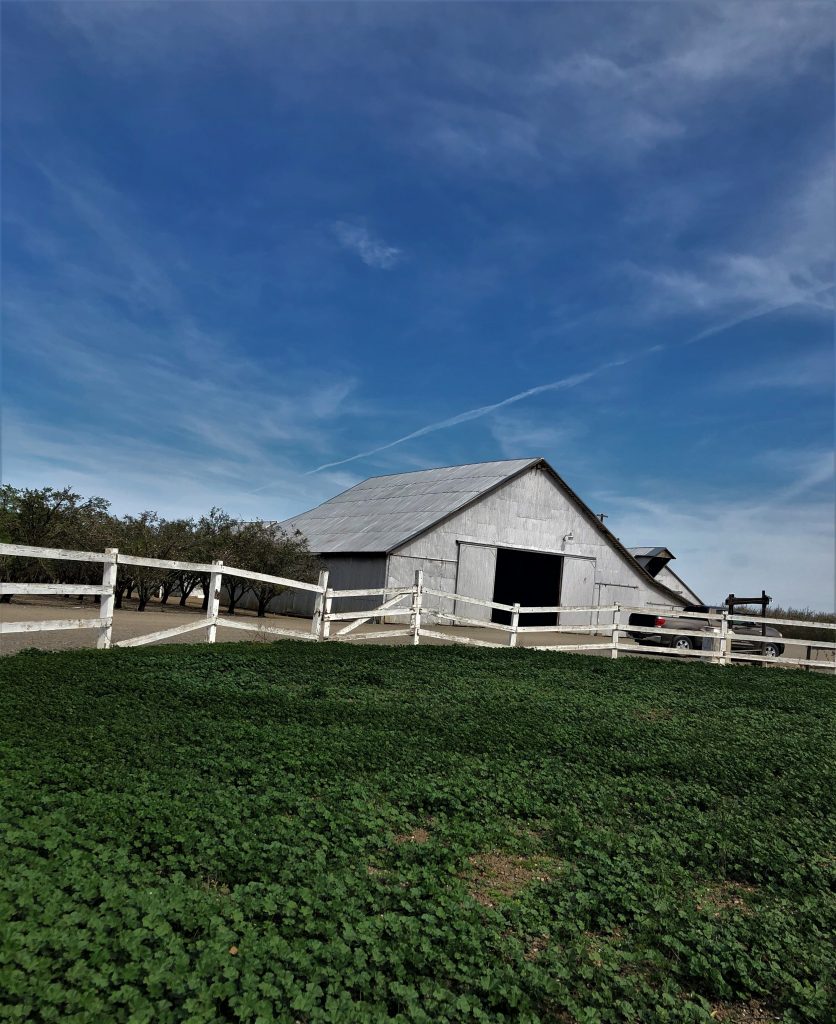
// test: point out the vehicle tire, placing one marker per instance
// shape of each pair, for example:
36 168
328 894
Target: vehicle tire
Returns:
772 650
681 643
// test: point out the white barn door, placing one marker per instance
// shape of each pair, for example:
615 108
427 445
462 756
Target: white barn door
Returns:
577 588
475 578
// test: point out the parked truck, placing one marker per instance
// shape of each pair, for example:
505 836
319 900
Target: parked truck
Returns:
759 637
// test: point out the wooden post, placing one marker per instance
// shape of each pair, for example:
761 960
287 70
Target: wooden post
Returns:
416 606
316 621
725 640
616 622
105 640
214 604
325 632
515 625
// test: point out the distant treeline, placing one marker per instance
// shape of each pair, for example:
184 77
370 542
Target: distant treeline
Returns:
807 614
45 517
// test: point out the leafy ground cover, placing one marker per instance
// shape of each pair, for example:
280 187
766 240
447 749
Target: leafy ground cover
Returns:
302 833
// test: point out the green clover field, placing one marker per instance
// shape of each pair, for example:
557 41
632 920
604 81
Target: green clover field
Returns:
295 832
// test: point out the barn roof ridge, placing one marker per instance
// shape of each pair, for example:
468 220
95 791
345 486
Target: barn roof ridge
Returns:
432 469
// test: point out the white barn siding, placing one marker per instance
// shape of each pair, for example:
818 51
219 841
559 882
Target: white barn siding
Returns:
673 582
530 512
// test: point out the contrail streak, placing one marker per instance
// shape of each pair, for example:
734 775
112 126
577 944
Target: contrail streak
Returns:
567 382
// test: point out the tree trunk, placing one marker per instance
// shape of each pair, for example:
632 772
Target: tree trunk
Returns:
235 595
205 581
143 600
5 598
262 607
120 593
129 590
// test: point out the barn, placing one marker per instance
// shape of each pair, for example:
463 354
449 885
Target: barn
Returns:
509 531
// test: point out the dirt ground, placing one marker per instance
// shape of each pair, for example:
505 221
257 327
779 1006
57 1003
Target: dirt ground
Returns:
129 623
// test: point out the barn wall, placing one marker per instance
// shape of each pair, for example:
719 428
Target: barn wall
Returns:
346 572
356 572
533 513
670 579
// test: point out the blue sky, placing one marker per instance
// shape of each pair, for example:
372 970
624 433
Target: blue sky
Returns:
245 241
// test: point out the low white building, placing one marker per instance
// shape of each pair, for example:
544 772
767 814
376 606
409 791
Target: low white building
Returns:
510 531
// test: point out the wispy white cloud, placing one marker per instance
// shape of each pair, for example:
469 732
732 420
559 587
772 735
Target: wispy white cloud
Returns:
139 372
474 414
373 251
563 384
803 470
651 80
521 436
136 472
725 544
813 371
786 258
609 88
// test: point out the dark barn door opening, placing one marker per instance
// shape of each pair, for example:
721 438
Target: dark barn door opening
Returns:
530 578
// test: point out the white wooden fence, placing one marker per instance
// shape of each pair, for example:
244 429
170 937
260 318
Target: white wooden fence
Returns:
716 643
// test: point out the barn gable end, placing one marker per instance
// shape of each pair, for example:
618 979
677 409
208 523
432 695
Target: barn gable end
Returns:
533 511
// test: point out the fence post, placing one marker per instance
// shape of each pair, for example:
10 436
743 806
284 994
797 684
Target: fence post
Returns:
616 622
316 621
416 606
725 640
325 632
105 639
214 603
515 625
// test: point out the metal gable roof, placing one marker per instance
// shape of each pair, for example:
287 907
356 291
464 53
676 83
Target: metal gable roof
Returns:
384 512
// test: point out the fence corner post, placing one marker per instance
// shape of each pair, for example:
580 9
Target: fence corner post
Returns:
316 621
616 623
515 625
214 603
108 599
418 591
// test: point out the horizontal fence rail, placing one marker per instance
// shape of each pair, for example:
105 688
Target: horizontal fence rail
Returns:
714 636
